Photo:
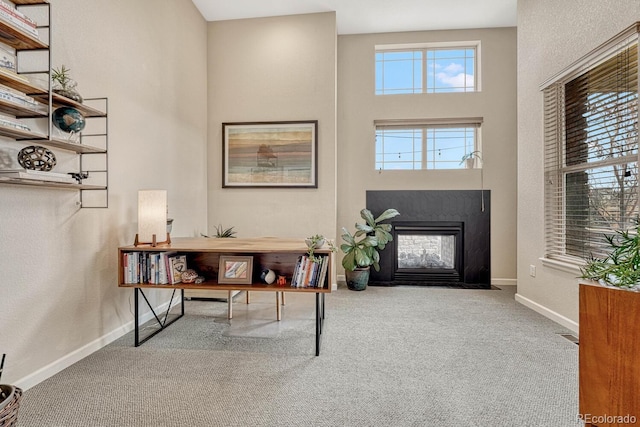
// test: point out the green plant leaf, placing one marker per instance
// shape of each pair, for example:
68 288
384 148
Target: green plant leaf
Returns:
389 213
367 216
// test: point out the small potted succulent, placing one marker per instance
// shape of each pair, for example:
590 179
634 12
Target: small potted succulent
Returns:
361 249
63 84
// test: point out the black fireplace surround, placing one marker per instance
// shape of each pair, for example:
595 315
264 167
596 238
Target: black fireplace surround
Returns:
465 214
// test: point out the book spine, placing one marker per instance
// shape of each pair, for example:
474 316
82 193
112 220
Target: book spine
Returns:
126 268
295 272
323 272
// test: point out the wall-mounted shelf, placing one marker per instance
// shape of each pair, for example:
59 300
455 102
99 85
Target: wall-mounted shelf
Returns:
49 184
92 156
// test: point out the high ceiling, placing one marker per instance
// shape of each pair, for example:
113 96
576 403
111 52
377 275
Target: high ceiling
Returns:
374 16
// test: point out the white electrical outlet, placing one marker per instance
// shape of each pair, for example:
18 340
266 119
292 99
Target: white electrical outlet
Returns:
532 270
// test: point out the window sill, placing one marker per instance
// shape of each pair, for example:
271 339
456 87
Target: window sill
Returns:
564 266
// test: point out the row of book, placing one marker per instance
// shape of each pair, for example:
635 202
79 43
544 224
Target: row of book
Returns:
10 14
156 268
310 273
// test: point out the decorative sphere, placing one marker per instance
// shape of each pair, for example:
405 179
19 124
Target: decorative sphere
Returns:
37 158
268 276
68 119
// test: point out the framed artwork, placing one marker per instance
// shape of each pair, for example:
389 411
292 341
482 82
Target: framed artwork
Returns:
270 154
235 269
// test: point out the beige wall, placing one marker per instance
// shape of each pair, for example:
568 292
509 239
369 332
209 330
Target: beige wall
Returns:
551 35
58 294
358 107
274 69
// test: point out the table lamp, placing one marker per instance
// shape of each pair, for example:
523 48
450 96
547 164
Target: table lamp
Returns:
152 217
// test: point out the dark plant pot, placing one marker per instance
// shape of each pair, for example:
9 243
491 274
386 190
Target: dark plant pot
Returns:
357 279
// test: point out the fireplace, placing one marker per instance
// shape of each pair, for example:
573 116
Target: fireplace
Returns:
428 251
441 237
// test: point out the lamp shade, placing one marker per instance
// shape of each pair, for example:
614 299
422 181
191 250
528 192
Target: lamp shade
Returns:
152 215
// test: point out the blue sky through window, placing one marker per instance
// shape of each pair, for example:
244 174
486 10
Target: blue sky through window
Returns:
423 148
427 70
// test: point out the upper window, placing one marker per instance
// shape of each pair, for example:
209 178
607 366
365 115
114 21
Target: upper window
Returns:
450 67
426 145
591 151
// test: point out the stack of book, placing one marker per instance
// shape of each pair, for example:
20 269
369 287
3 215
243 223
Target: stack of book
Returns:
36 175
310 273
156 268
10 14
7 122
18 98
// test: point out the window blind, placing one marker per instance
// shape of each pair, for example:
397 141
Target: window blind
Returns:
591 150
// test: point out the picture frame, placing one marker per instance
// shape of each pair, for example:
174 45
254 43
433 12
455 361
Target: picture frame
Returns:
235 270
270 154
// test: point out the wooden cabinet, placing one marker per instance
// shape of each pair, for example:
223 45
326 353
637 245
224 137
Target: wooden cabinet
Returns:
609 356
91 147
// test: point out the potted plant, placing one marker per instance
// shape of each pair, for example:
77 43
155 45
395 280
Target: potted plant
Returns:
469 159
64 85
609 353
316 242
223 233
361 249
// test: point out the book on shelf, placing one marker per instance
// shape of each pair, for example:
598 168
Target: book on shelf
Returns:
18 23
178 265
10 8
37 175
308 273
6 122
6 72
7 59
17 98
155 268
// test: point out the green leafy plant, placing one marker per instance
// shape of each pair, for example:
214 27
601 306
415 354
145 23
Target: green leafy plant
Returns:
222 232
315 242
61 76
361 249
225 232
621 267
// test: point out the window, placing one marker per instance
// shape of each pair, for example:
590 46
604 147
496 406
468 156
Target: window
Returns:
449 67
426 144
591 151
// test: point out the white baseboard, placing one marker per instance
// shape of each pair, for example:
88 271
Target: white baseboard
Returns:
504 282
556 317
69 359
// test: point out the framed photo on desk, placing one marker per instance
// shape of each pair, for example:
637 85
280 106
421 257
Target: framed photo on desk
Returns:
235 269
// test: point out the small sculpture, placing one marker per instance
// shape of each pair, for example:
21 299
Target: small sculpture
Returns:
189 276
268 276
37 158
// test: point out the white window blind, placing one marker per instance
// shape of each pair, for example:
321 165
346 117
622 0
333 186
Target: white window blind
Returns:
591 150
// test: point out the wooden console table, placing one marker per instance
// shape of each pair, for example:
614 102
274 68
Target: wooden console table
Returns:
203 255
